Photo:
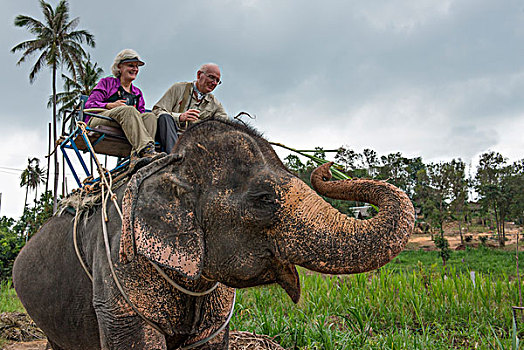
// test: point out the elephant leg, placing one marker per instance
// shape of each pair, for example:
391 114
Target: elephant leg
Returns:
130 332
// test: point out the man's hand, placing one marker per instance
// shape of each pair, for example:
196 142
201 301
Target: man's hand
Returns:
190 115
115 104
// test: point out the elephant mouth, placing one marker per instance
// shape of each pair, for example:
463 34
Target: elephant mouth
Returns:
287 278
281 272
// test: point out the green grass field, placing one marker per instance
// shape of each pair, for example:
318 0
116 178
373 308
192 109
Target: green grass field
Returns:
411 303
8 299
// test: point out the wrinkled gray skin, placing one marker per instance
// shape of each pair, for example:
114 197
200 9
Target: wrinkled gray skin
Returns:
221 206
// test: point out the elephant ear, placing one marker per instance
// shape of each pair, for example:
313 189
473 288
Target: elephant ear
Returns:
156 225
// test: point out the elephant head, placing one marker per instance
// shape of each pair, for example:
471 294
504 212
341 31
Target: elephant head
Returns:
223 206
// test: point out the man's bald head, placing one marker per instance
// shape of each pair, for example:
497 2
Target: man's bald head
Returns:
208 77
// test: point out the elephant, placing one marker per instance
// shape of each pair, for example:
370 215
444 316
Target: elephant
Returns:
220 212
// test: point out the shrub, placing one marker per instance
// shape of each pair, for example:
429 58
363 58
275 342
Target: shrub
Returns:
443 245
10 245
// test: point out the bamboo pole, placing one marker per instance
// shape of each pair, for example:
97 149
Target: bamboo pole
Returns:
337 174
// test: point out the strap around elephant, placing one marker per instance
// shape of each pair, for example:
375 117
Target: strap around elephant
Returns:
183 106
217 332
179 287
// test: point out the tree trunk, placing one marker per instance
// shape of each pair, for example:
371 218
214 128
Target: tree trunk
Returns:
55 158
498 225
48 158
26 190
460 232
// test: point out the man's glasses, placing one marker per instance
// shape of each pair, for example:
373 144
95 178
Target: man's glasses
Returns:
212 77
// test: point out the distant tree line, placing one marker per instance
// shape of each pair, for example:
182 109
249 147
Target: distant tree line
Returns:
14 234
440 192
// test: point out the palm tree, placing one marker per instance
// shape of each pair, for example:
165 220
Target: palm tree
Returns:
31 177
24 182
59 44
36 177
87 76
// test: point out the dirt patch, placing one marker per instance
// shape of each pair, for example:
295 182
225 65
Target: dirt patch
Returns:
250 341
16 326
451 233
32 345
21 333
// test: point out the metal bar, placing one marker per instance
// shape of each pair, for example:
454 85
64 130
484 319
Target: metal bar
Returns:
99 139
80 159
90 149
71 166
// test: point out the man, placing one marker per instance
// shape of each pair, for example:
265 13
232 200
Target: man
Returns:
186 103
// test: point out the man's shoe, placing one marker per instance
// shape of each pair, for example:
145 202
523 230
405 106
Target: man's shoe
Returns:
149 152
144 157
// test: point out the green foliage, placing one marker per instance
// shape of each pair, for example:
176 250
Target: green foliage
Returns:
9 302
293 163
13 235
33 218
443 245
10 245
513 187
490 181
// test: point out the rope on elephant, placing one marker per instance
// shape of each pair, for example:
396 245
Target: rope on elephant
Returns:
77 250
179 287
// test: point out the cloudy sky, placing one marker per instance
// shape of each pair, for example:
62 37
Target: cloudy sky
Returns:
440 79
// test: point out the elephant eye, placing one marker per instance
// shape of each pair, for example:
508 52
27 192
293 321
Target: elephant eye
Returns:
261 205
266 197
262 197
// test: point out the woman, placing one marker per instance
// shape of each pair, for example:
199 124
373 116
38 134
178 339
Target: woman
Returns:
116 97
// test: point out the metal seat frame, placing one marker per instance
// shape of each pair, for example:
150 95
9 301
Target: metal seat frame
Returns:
75 139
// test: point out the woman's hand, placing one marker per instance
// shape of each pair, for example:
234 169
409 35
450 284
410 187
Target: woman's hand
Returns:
115 104
189 115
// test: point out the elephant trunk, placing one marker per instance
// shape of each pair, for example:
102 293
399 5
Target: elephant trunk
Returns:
317 236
